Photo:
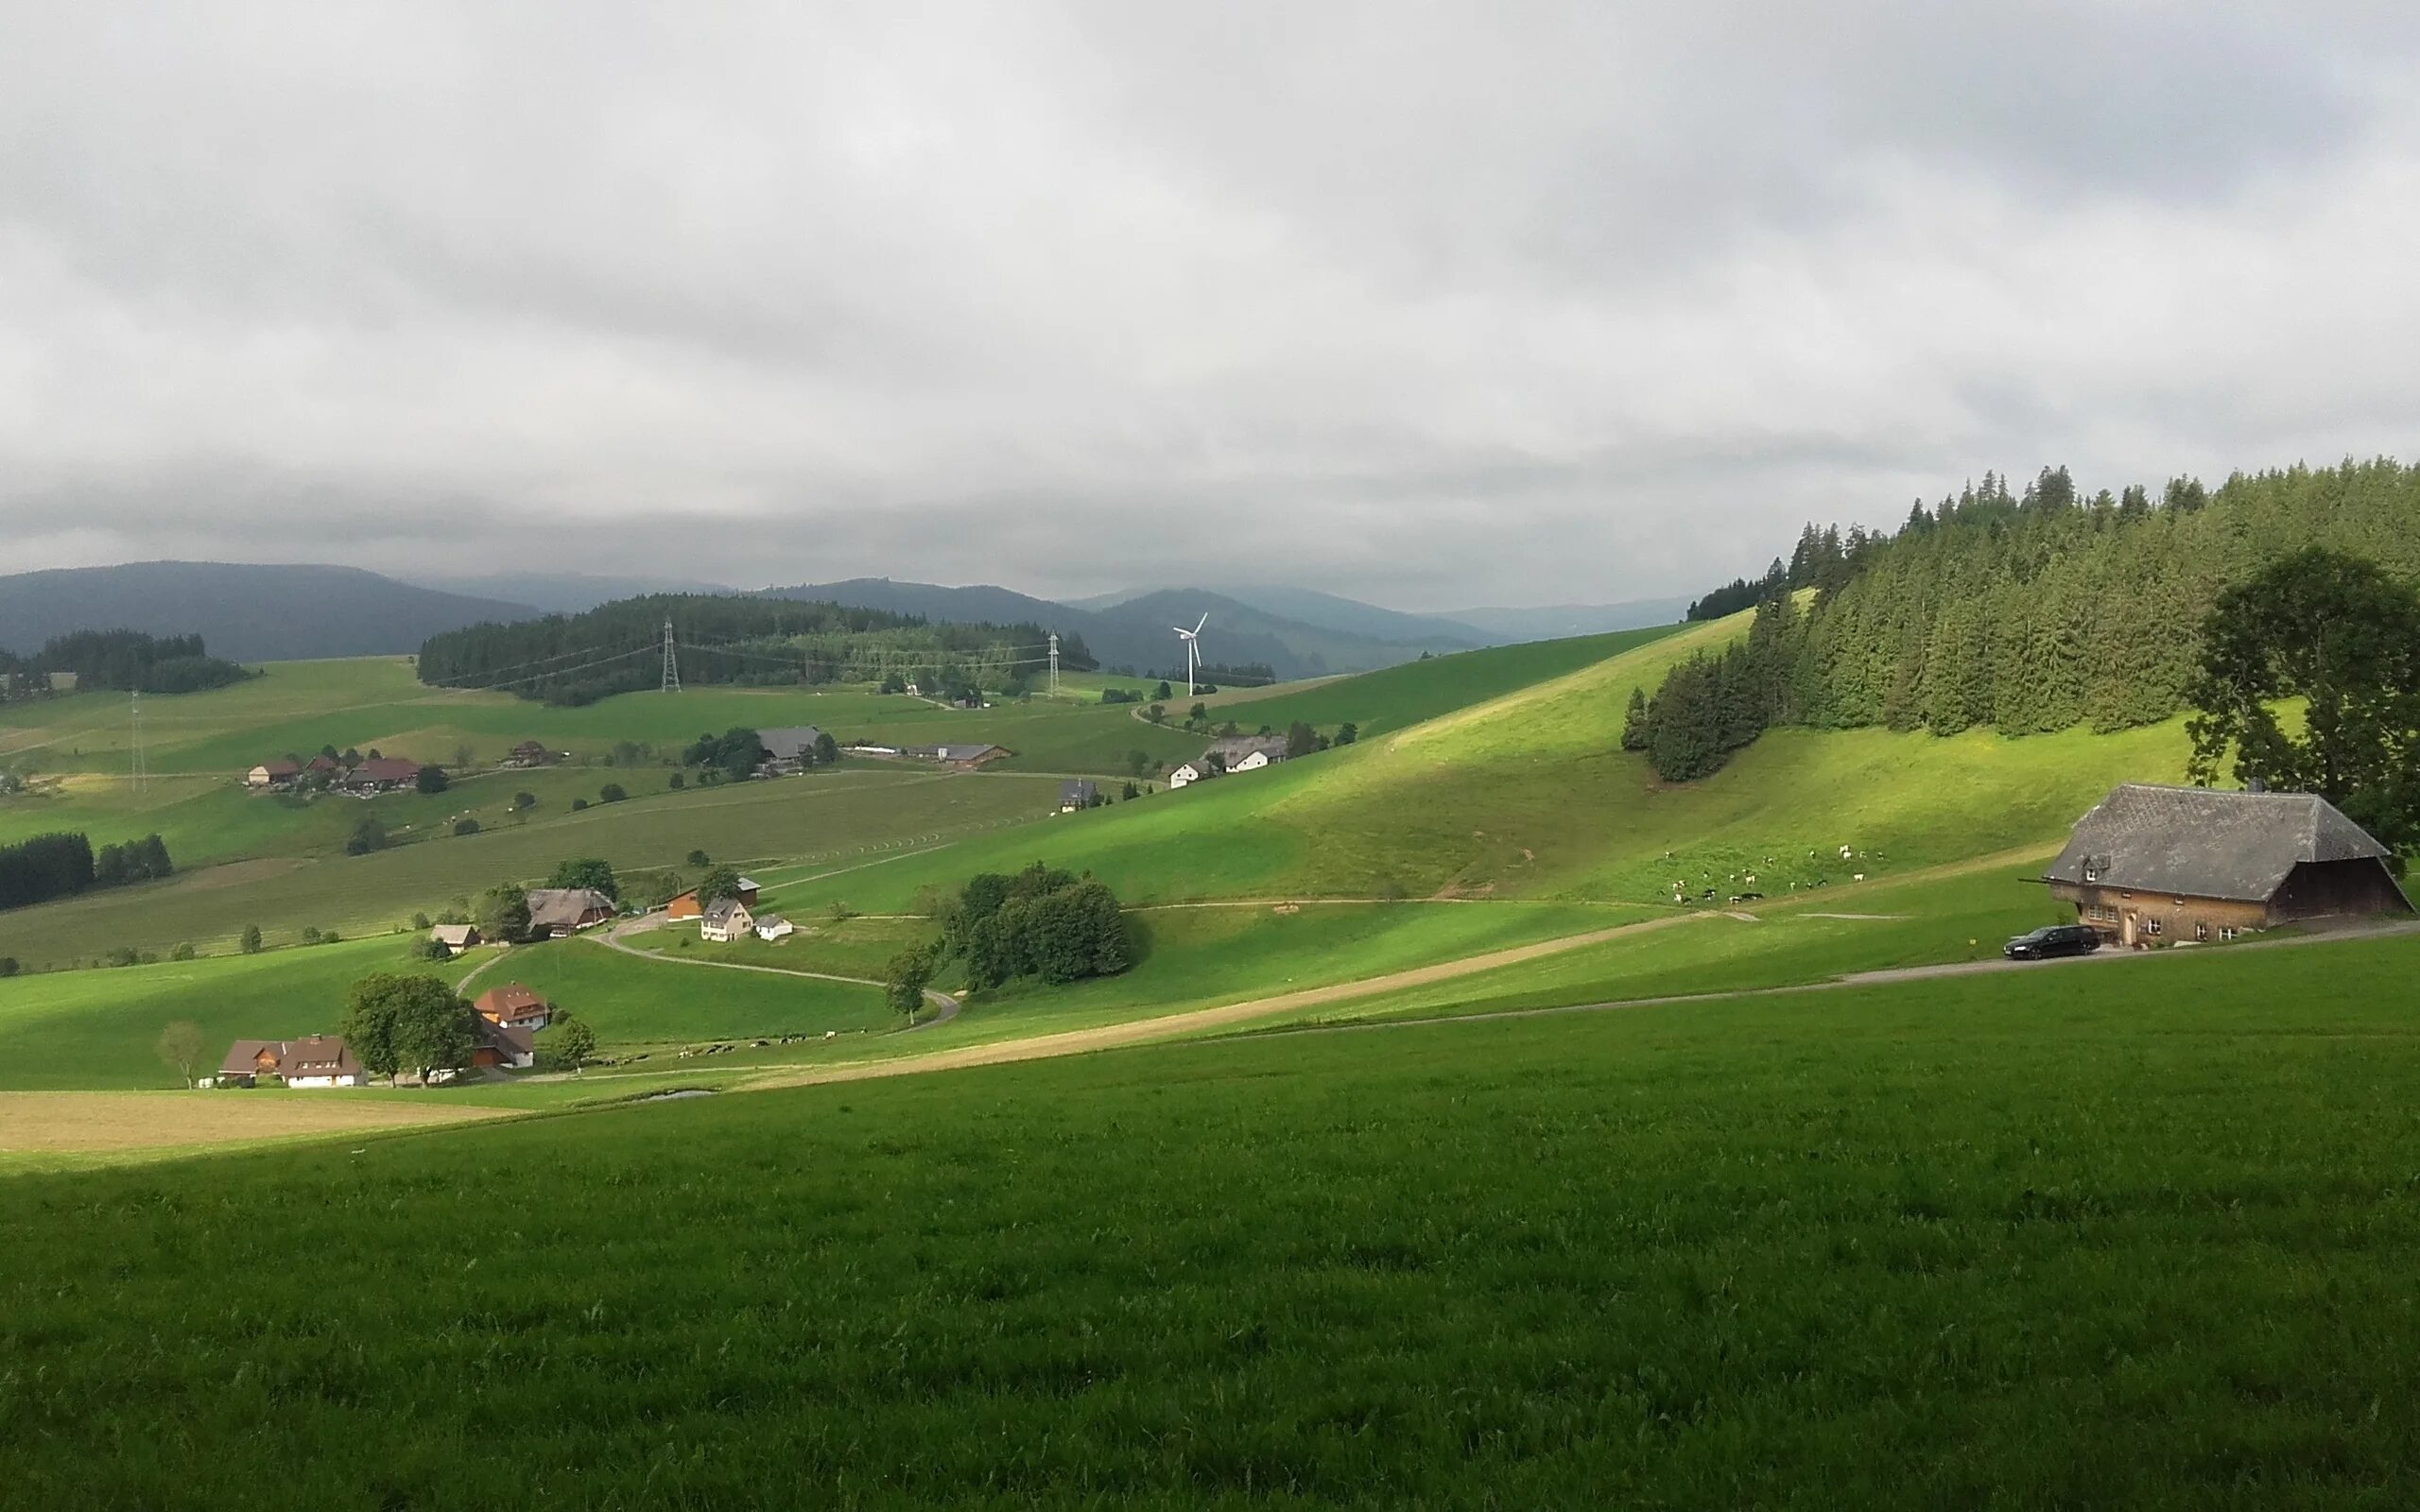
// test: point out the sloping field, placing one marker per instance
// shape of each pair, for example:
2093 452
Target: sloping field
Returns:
1528 795
834 817
1399 697
2143 1239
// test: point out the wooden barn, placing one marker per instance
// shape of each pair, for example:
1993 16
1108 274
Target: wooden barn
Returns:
2167 865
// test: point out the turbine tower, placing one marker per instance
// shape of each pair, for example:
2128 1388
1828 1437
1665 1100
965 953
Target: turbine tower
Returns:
1192 639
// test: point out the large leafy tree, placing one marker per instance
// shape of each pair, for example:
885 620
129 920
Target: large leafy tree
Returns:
393 1023
587 871
723 881
502 912
2338 633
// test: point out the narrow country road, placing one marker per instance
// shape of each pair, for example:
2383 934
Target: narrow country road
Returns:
1177 1025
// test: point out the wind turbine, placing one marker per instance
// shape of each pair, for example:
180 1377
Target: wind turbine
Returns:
1192 639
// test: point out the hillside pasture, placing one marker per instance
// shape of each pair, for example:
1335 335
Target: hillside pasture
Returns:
833 818
97 1029
1399 697
2139 1239
1529 795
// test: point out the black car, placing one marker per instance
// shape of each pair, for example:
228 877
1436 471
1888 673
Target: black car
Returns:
2053 940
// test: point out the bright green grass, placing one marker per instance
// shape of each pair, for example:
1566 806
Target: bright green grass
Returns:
634 1003
1964 917
298 707
837 817
1399 697
95 1030
858 947
1529 795
208 819
2141 1240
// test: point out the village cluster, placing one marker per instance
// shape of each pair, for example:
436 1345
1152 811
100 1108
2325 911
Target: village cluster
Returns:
505 1021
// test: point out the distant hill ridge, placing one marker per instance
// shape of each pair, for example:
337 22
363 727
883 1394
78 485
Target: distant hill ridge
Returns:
1138 632
244 611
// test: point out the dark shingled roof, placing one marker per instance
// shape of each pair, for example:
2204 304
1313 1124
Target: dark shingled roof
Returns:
2198 842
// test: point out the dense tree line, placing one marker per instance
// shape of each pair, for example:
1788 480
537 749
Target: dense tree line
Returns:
576 658
122 661
1710 706
1040 922
60 866
2036 610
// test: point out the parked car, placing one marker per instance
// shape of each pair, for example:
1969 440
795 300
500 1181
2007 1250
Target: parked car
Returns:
2052 940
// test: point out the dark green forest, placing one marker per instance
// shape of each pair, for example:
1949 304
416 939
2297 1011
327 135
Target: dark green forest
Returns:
122 661
2028 613
617 647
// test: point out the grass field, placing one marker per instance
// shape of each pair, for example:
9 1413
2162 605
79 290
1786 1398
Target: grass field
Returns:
1396 697
296 707
2139 1240
832 817
642 1003
1529 795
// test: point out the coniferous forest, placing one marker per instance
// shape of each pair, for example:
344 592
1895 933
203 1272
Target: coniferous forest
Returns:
617 648
2027 612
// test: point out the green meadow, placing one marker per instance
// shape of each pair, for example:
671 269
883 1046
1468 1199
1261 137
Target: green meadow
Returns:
832 817
1529 795
2142 1239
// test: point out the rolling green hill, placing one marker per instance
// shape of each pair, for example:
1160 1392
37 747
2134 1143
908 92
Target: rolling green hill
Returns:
1527 795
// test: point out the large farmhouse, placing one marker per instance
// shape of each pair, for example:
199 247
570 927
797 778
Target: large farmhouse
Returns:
2175 864
514 1006
320 1060
788 752
555 912
1248 753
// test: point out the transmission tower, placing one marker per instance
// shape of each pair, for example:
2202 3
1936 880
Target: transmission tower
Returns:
1054 663
134 721
671 663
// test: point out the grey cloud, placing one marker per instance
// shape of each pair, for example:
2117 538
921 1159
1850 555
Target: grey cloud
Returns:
1450 305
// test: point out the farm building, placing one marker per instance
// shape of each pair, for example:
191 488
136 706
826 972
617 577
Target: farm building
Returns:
682 907
382 774
499 1044
320 1060
555 912
770 927
1248 753
1076 793
277 773
962 758
454 938
747 893
788 751
2177 864
727 921
528 753
1195 771
514 1006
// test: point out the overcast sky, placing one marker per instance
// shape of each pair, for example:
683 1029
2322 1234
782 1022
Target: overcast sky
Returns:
1438 305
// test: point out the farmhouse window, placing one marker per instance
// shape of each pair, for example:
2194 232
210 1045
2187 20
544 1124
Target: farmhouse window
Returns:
2201 929
2153 926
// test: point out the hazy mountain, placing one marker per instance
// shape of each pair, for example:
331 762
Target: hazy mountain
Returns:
1554 621
1138 631
561 593
1329 612
243 611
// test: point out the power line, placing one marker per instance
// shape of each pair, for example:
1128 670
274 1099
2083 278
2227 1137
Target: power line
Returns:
671 663
134 718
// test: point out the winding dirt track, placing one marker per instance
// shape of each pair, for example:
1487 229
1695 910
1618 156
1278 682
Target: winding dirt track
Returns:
944 1006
